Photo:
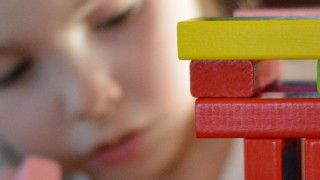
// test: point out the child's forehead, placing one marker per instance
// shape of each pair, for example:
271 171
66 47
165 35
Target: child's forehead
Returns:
28 20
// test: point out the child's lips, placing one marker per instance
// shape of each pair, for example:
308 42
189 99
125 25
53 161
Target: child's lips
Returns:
117 152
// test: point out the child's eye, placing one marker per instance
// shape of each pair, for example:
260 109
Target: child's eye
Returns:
116 20
15 73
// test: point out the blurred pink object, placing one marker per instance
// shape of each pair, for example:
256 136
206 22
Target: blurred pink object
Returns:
39 168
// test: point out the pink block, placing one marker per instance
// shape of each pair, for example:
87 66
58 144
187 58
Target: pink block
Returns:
38 168
277 12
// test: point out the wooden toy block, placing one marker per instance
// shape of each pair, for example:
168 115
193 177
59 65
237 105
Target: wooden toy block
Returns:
312 159
245 38
263 159
272 159
38 168
277 12
292 116
232 78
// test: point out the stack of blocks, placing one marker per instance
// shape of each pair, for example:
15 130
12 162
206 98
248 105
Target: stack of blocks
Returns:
235 74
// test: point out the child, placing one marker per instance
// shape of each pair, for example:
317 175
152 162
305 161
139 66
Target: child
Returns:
96 85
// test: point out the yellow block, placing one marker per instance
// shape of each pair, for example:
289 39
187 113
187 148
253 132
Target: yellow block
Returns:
249 38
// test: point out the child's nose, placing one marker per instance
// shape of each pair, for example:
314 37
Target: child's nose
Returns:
92 95
92 92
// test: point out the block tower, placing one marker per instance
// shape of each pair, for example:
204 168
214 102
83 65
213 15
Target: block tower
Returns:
235 76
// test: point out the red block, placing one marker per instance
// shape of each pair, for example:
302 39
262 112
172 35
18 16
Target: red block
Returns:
312 159
263 159
258 117
271 159
232 78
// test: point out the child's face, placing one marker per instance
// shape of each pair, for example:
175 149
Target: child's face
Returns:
94 83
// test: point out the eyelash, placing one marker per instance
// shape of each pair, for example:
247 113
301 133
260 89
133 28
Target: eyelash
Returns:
117 20
15 74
